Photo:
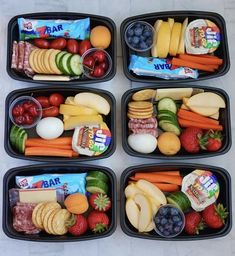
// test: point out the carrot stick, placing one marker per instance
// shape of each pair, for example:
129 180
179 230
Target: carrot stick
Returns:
201 60
167 187
191 116
155 177
40 144
44 151
58 141
75 154
205 126
173 173
189 64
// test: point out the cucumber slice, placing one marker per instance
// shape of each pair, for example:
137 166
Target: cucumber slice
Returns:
58 58
63 64
20 141
169 126
97 175
169 119
167 104
167 113
13 134
97 186
180 200
75 65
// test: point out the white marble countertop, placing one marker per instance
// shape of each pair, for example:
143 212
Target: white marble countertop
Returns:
118 10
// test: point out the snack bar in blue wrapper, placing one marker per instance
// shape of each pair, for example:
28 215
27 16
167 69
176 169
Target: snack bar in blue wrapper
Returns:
33 28
70 182
162 68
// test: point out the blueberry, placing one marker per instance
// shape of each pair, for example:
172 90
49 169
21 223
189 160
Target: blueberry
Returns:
135 39
130 32
166 233
170 221
169 227
157 220
149 41
162 211
176 218
147 33
163 221
143 45
180 223
138 31
142 38
174 211
147 28
129 39
176 229
138 25
161 229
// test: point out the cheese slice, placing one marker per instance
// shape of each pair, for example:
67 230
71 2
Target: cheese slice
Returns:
76 110
37 195
74 121
174 93
51 78
163 40
175 38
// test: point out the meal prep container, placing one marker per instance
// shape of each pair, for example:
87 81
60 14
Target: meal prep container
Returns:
69 91
13 34
182 154
225 195
9 182
221 52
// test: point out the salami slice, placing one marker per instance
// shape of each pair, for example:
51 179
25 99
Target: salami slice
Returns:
21 47
14 58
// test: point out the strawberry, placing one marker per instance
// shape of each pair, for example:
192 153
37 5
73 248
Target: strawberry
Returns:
77 225
98 221
100 202
190 139
193 223
214 215
213 140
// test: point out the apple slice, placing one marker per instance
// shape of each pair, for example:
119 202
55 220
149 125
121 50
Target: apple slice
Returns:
163 40
215 116
157 25
150 227
131 190
151 190
132 212
146 214
175 38
154 206
171 22
181 47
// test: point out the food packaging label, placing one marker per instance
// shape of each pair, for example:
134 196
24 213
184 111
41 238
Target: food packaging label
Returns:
91 140
202 188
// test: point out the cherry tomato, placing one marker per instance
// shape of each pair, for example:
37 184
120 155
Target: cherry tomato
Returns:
72 46
99 56
89 62
50 112
41 43
56 99
44 101
97 72
84 46
17 110
20 120
28 119
58 43
33 111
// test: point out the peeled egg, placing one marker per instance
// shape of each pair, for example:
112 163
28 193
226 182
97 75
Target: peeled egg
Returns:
142 143
50 128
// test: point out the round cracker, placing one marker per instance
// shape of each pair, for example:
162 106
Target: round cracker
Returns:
31 61
140 104
48 219
36 217
41 55
141 113
34 214
47 207
36 61
145 94
58 222
140 110
46 61
131 116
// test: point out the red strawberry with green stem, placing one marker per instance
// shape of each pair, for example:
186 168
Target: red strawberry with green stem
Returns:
213 140
98 221
100 202
215 215
77 225
193 223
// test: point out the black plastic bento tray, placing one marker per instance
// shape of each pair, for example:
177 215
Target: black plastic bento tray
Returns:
9 182
13 34
225 197
110 120
221 52
182 154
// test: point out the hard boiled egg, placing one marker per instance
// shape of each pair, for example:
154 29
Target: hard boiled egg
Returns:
50 128
142 143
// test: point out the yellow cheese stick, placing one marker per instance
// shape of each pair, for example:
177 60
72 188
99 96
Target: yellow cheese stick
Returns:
74 121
